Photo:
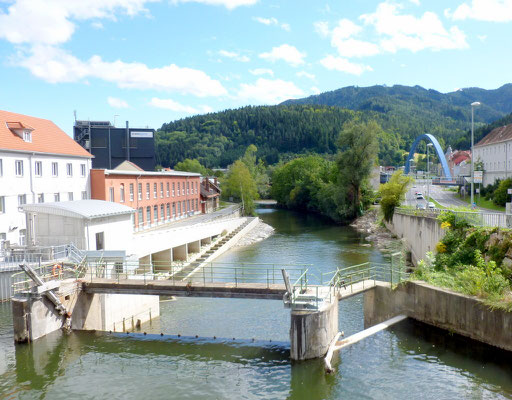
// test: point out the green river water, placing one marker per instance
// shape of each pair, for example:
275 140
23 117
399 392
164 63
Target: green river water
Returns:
249 357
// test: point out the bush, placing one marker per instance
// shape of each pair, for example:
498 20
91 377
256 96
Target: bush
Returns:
393 193
500 195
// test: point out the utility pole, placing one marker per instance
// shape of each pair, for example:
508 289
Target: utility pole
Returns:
473 105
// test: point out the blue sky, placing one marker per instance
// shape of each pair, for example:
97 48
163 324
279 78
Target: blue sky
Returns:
151 61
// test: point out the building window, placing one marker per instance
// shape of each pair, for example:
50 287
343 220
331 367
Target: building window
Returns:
55 169
155 191
162 212
56 197
84 195
22 199
196 188
1 168
38 168
161 190
192 205
168 211
197 205
82 170
141 216
27 136
179 208
23 236
100 241
188 206
188 186
131 191
69 169
2 204
174 210
178 188
111 194
121 193
40 198
183 207
18 164
139 191
173 189
167 189
183 188
155 213
148 214
147 193
70 196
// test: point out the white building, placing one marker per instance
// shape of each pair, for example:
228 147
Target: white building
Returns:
38 163
495 152
88 224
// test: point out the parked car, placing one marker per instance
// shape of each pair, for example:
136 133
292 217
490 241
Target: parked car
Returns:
421 206
431 205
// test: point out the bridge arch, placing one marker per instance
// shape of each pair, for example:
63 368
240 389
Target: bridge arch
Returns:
439 151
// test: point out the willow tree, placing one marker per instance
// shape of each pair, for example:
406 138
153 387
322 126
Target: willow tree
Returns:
393 193
240 185
358 149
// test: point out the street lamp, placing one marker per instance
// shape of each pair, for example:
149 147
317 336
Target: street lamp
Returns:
473 105
428 173
410 166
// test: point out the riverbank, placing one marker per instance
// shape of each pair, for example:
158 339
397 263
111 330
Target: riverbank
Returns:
260 232
370 225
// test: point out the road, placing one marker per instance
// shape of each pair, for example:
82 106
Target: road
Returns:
440 194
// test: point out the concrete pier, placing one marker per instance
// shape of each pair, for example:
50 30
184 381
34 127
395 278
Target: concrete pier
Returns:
311 332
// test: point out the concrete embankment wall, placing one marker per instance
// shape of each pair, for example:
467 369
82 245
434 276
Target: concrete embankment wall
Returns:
421 233
455 312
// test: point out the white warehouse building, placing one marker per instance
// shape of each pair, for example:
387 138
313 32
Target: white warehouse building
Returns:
495 152
39 163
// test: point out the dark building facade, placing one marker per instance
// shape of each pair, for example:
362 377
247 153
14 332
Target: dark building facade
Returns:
108 144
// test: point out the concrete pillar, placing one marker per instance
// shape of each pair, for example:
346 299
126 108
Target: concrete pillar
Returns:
311 332
180 253
206 241
194 247
162 260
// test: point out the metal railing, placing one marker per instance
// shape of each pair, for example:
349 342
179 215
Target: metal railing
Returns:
352 279
61 262
211 272
475 218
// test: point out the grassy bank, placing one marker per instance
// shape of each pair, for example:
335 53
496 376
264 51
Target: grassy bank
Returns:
482 202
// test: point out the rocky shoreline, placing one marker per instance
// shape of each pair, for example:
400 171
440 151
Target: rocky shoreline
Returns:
257 234
384 240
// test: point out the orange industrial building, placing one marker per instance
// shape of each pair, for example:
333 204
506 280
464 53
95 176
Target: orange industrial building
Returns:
158 197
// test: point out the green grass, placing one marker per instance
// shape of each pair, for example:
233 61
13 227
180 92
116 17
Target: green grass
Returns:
482 202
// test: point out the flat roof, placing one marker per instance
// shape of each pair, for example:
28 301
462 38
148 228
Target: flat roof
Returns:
88 209
151 173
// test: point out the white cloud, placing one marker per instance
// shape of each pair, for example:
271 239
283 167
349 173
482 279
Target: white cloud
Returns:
343 65
117 103
51 21
483 10
234 55
412 33
272 21
55 65
285 52
345 29
341 39
269 91
229 4
322 28
304 74
261 71
482 38
315 90
169 104
97 25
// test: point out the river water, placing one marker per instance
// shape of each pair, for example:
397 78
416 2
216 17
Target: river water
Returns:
242 349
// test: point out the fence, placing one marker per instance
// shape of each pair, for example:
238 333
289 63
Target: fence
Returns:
474 218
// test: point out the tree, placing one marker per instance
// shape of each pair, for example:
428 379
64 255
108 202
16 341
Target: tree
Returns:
191 166
393 193
358 148
500 195
240 184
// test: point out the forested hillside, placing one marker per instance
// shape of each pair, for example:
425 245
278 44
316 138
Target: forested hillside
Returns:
311 125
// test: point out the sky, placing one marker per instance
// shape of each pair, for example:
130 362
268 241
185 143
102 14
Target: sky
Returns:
154 61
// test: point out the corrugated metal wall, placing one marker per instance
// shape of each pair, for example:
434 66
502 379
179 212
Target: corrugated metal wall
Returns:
6 282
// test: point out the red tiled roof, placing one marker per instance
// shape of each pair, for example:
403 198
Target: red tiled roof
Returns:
497 135
46 136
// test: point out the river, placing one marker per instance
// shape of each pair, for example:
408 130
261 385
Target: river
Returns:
242 349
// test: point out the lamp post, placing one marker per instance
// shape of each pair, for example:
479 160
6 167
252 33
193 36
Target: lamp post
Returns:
410 166
428 173
473 105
